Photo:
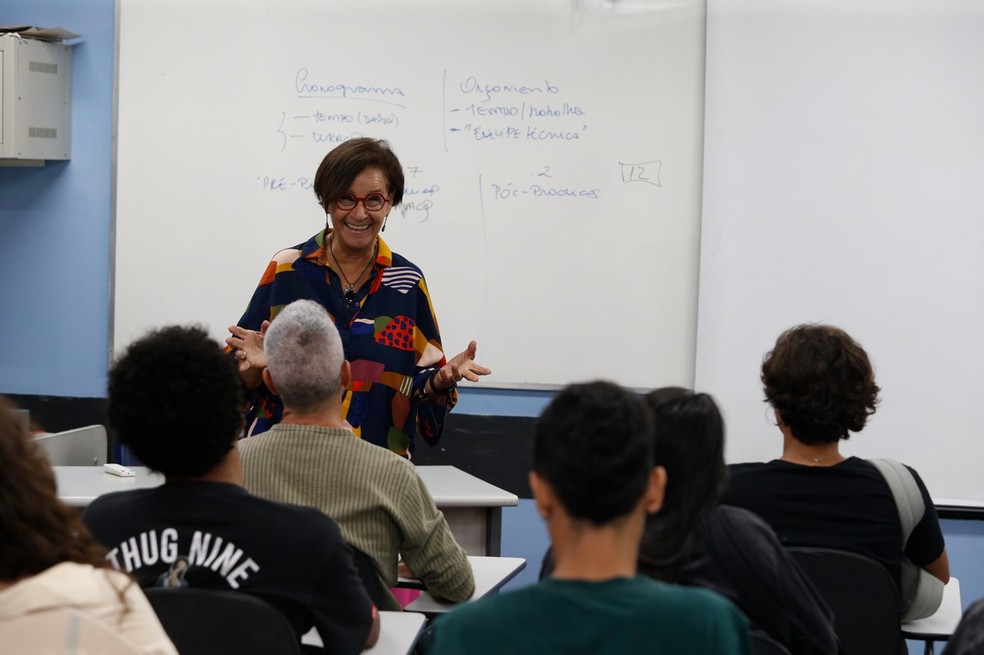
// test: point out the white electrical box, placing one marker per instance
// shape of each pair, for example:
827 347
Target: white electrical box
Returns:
35 99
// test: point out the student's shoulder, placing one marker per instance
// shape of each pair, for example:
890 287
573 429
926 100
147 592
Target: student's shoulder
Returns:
869 466
689 602
291 518
504 609
739 520
478 625
256 444
746 478
308 534
716 622
118 503
746 468
386 464
281 521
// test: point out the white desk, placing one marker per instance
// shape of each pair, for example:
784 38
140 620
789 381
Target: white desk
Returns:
80 485
490 574
942 624
79 447
472 507
398 632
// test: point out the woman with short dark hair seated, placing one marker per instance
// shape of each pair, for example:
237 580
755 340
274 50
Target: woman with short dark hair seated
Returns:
820 384
695 542
49 562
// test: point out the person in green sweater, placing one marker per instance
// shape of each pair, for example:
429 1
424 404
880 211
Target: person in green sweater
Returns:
594 482
313 458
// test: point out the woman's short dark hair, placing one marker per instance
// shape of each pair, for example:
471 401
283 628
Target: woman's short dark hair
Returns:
175 400
821 382
688 441
592 444
37 530
344 163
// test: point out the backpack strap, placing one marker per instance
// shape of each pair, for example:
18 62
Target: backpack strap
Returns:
905 491
921 592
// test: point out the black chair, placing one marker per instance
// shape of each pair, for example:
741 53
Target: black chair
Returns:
370 579
213 622
763 644
862 596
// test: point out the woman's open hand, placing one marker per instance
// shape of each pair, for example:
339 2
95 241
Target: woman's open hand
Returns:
460 367
249 347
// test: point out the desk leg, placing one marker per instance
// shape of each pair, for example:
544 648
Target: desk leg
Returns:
477 529
493 532
469 525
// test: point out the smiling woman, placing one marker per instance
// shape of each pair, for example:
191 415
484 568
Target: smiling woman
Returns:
401 382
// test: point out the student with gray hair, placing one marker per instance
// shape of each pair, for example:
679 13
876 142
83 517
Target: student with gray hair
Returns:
313 458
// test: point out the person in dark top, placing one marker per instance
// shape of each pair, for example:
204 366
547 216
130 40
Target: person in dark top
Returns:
201 528
695 542
593 481
820 384
968 639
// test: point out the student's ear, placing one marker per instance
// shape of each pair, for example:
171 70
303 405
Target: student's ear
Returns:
655 490
543 495
346 374
268 381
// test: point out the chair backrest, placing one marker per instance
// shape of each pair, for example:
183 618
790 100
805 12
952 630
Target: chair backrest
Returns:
862 596
370 579
62 630
763 644
213 622
79 447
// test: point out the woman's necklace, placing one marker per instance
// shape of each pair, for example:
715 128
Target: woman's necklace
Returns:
349 293
814 461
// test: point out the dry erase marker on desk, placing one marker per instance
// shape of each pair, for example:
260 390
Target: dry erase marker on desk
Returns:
119 470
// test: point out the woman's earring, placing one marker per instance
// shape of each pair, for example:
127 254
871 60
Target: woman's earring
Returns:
384 222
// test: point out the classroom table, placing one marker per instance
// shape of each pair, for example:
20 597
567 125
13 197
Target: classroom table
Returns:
472 507
490 574
940 625
398 633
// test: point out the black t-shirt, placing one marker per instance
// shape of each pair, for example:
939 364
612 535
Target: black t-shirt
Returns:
737 555
217 535
848 506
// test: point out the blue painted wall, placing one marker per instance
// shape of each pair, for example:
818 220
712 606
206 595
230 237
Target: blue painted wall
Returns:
55 226
55 274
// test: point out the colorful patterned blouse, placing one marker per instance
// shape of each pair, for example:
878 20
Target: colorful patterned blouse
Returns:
390 336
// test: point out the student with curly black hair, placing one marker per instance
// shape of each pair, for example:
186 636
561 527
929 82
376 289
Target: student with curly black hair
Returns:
175 400
821 387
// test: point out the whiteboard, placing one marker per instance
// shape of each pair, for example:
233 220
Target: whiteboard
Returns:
552 150
844 153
